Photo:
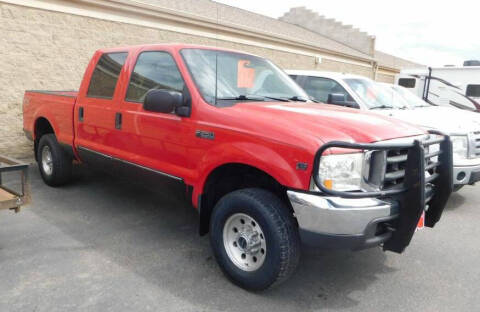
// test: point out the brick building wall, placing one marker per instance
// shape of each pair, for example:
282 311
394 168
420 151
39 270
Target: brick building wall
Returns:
48 50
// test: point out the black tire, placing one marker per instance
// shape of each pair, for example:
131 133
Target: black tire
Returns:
61 171
280 233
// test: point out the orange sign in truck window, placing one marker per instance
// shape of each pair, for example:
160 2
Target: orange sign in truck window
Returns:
245 75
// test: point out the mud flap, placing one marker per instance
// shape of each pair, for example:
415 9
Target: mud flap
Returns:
412 203
443 185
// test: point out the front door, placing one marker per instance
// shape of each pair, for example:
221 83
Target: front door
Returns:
153 142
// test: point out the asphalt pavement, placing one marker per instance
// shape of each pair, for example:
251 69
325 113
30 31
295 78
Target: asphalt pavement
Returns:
101 244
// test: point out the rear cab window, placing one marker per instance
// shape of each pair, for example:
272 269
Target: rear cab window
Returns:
105 75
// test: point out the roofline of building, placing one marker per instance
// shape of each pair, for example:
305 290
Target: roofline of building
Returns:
152 16
134 12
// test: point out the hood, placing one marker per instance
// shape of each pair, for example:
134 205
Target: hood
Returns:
312 124
445 119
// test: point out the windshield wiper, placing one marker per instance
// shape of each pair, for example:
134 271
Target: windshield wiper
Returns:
382 107
244 97
276 98
297 98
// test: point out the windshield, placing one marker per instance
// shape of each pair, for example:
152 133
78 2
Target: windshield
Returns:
395 97
225 78
374 96
411 99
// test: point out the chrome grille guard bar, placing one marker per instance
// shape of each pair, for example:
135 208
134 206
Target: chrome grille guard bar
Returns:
411 197
415 162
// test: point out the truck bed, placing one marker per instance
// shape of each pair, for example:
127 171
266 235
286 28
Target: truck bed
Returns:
56 106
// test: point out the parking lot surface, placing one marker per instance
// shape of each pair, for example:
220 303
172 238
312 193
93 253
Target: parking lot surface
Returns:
100 244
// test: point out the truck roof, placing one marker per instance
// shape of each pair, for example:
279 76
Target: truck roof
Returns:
171 46
325 74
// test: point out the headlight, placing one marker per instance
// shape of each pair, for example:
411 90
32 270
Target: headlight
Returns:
459 147
341 172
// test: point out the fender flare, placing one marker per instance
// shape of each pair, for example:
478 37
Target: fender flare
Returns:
254 155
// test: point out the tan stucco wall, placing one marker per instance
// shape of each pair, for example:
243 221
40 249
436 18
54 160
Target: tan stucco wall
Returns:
49 50
385 78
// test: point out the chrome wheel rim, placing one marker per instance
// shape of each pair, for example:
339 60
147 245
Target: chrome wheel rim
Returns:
244 242
47 161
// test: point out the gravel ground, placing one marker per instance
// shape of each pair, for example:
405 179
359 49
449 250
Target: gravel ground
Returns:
100 244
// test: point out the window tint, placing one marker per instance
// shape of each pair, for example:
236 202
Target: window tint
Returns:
473 90
319 88
407 82
154 70
105 76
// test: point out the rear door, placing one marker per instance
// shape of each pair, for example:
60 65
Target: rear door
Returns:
94 115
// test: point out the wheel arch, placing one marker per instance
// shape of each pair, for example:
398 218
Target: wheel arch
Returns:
41 127
229 177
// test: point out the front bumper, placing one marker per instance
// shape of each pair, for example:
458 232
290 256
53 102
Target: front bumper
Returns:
341 223
463 175
386 216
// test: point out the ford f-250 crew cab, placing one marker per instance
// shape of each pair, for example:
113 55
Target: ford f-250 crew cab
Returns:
359 92
265 167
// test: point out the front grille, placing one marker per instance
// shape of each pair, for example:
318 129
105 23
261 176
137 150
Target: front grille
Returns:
395 168
396 162
475 144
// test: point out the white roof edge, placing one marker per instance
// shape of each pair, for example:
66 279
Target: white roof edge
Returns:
319 73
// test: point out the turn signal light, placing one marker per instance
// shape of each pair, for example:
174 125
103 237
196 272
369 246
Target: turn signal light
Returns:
328 184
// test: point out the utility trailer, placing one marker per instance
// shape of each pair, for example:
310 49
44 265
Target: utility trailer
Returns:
14 191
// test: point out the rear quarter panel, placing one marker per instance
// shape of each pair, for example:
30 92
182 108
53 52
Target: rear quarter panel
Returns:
56 107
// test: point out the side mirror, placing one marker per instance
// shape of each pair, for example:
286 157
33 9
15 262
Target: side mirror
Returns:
340 99
336 99
162 101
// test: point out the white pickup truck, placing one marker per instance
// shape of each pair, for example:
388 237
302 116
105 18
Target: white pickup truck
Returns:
363 93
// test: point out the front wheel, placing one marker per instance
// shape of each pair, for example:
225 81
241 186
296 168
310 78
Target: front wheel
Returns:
254 238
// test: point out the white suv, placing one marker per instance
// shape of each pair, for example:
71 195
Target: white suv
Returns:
363 93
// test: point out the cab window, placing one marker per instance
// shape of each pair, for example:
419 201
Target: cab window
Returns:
473 90
407 82
319 88
154 70
105 75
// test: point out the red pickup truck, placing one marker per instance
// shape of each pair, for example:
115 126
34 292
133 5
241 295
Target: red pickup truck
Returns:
265 167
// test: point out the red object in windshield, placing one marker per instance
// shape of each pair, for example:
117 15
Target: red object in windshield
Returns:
371 94
245 75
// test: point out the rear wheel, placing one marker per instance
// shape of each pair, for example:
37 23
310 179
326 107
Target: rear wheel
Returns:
54 164
254 238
